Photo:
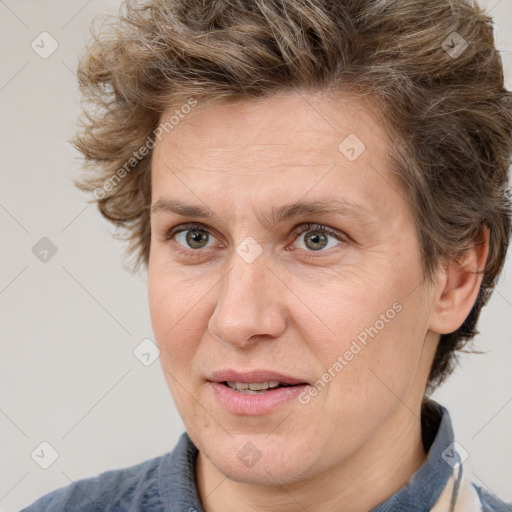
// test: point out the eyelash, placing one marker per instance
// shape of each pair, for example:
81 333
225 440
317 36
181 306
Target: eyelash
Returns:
299 230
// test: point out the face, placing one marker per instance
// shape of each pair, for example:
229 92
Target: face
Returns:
327 295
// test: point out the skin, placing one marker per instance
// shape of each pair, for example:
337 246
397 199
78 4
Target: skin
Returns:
358 440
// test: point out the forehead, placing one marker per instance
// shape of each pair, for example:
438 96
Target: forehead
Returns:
315 123
276 149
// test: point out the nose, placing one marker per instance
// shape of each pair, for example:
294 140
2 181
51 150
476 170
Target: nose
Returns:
249 305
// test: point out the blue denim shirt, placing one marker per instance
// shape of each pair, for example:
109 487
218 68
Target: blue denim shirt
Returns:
167 483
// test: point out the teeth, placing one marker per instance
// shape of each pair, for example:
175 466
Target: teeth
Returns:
240 386
252 386
256 386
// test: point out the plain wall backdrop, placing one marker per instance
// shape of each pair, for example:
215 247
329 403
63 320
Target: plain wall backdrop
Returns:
71 317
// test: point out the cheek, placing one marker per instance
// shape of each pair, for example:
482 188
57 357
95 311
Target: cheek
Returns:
171 293
349 310
174 309
390 350
364 326
177 330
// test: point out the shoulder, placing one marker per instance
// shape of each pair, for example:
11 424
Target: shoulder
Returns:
127 489
490 502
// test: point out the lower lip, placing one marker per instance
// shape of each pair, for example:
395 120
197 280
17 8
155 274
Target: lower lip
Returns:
254 404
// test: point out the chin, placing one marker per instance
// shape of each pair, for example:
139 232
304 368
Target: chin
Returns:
255 459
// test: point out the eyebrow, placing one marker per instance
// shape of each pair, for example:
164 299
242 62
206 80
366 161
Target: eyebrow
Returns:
327 206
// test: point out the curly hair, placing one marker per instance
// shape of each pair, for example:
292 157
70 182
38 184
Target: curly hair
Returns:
430 68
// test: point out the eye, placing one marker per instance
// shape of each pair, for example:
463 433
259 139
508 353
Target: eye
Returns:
191 236
317 237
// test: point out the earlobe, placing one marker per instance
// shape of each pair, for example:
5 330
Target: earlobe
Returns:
459 282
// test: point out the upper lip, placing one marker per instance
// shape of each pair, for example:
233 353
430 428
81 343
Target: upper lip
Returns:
251 376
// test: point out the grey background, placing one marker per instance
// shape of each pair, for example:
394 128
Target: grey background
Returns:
70 324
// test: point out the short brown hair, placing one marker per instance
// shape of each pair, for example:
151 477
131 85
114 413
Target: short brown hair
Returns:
430 68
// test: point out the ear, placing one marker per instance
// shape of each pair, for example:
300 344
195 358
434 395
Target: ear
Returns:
458 284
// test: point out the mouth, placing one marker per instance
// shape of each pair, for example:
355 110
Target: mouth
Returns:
254 392
255 382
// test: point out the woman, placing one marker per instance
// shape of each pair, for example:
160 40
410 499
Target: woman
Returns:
318 193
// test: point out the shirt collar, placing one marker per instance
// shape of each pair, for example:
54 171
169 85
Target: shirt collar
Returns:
179 492
425 486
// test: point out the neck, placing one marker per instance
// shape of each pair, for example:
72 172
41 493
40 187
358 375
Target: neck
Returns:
369 477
